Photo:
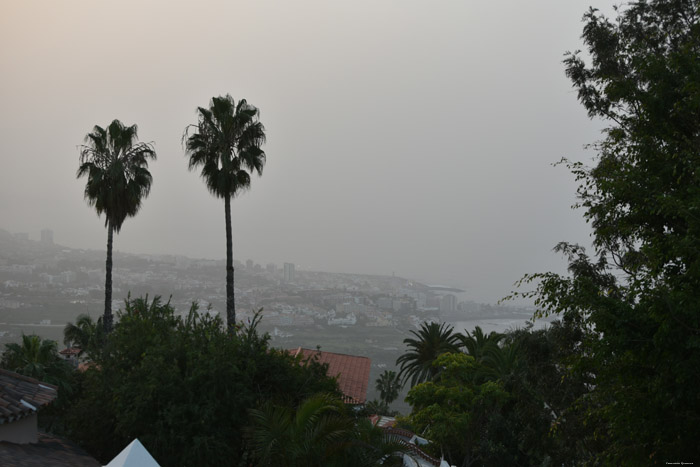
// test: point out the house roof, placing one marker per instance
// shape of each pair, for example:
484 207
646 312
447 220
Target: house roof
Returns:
352 372
21 395
70 351
47 451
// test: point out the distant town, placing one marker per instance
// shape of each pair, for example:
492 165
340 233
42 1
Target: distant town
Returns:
44 285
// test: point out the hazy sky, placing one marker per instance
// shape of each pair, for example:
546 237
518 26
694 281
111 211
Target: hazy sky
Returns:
413 137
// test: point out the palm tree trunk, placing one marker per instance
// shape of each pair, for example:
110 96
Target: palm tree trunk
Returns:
108 281
230 298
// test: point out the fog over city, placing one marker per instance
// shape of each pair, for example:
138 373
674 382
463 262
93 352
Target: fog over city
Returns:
406 137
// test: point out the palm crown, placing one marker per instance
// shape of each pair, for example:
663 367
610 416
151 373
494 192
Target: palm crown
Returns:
226 145
433 339
116 166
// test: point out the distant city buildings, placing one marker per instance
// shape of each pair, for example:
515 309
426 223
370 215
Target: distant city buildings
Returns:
47 236
448 303
289 272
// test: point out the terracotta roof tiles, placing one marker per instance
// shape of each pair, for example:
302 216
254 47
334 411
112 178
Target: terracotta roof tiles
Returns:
352 372
21 395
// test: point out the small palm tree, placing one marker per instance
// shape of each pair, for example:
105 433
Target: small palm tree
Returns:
433 339
313 435
116 167
321 432
477 344
85 334
37 358
226 143
389 385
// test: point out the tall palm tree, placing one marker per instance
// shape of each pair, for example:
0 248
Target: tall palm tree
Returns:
433 339
116 166
226 143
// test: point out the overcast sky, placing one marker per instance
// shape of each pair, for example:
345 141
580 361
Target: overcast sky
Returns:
413 137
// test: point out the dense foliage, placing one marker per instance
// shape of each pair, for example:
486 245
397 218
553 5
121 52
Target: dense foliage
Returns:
320 432
636 299
183 386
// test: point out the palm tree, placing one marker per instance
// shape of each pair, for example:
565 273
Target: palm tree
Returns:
226 143
389 385
116 166
433 339
85 334
322 431
313 435
37 358
477 344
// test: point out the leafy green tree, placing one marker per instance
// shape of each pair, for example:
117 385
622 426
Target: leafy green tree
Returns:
116 167
454 411
637 296
183 385
226 143
432 340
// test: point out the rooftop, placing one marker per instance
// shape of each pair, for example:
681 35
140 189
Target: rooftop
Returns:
352 372
21 396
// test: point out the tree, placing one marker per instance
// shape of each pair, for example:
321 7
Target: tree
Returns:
477 343
454 412
389 385
85 334
226 143
433 339
321 432
116 167
38 358
637 297
183 385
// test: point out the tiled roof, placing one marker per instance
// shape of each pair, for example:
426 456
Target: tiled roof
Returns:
48 451
352 372
70 351
21 395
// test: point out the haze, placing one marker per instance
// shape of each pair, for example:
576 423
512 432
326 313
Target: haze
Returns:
405 137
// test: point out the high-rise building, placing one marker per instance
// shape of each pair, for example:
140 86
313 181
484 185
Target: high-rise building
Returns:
289 272
448 303
47 236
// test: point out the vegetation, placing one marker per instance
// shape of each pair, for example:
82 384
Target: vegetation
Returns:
614 381
321 432
37 358
86 335
183 386
636 298
432 340
226 143
116 167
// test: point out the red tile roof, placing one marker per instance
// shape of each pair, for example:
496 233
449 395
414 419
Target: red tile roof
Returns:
21 395
352 372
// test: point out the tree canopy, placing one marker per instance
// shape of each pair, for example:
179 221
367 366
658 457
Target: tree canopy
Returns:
636 298
183 386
